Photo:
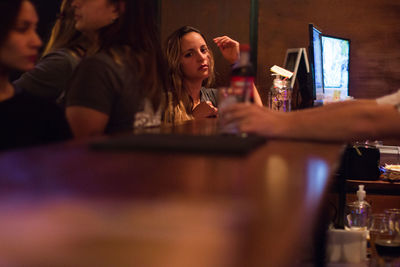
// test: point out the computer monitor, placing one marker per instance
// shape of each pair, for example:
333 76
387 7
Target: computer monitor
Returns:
315 53
330 64
296 61
336 65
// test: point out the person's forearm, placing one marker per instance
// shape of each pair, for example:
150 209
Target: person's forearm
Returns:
337 105
357 120
256 96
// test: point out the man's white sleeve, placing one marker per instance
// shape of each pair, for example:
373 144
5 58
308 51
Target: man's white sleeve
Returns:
392 99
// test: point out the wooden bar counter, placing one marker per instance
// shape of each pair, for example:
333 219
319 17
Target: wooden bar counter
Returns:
69 205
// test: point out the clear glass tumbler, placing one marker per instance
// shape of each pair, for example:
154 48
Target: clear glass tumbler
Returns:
387 245
379 226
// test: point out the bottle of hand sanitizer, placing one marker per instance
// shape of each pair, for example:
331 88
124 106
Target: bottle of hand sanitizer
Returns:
358 212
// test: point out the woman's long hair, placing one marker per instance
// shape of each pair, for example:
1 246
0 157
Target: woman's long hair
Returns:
173 53
9 10
135 32
64 34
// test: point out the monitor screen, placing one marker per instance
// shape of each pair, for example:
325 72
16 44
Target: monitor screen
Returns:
335 61
316 61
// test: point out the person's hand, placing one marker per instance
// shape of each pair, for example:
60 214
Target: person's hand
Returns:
204 110
229 48
251 118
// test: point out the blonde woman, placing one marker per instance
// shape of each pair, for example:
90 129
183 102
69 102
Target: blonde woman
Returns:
191 73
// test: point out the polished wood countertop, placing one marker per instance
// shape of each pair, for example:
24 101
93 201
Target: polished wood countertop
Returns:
68 205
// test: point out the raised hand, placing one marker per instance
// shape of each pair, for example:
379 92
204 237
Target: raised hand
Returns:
228 47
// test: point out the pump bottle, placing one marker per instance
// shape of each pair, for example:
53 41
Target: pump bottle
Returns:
358 211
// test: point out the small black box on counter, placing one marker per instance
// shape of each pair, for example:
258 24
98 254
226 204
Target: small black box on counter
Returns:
360 162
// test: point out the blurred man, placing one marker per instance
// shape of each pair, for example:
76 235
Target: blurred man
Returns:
342 121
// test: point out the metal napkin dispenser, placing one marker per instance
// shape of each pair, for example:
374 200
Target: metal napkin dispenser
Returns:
361 162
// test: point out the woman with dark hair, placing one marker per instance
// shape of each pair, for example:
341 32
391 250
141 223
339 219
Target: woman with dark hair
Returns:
125 69
191 72
65 49
24 118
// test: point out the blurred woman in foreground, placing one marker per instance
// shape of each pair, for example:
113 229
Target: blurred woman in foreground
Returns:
65 49
24 118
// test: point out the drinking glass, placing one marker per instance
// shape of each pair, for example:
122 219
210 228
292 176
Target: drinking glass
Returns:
228 96
379 226
387 244
394 219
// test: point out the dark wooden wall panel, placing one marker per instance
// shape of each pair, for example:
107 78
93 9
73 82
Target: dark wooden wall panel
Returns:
213 18
372 26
